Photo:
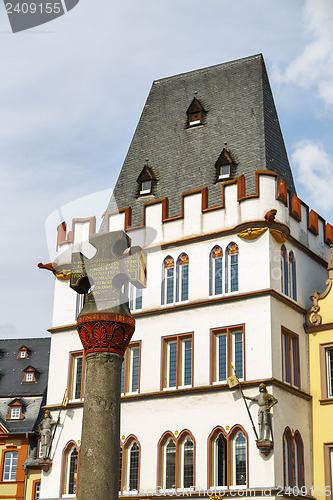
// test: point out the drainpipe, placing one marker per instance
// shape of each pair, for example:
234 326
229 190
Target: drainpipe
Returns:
25 482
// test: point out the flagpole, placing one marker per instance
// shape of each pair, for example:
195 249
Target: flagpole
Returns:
248 410
63 403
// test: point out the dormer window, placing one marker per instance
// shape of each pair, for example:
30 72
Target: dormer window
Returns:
15 413
23 352
15 410
195 113
146 180
224 166
29 374
224 172
145 187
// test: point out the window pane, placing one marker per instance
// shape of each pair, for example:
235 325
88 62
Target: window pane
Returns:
72 472
184 278
120 466
187 362
78 377
329 358
222 357
238 353
37 491
234 272
138 301
122 376
218 275
135 368
169 284
188 463
134 467
221 459
172 364
10 466
240 459
170 465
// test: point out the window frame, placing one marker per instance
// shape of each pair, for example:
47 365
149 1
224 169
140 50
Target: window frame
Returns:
292 284
12 472
179 340
127 369
135 298
179 443
145 190
183 262
228 275
168 263
229 332
293 470
125 463
291 373
328 467
72 376
326 398
229 439
66 469
213 272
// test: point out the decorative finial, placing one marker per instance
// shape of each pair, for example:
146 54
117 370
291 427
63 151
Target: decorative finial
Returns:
195 92
147 160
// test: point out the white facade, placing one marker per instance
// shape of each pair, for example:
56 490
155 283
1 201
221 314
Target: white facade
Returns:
258 310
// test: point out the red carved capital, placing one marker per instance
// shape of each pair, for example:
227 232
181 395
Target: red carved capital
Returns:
105 332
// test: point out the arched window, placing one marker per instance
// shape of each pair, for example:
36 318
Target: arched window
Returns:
168 281
284 270
287 458
182 277
70 469
231 268
218 458
186 459
176 461
292 292
216 271
238 455
299 460
129 465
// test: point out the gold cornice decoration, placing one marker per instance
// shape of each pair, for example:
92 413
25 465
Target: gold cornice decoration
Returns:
251 233
312 317
278 235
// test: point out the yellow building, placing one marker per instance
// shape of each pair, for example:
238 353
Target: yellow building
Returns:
319 326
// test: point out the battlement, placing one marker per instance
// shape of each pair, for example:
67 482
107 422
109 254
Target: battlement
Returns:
234 212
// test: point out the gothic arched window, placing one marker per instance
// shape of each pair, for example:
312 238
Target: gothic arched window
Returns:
70 469
182 277
231 268
216 271
129 465
284 270
287 458
168 281
292 292
239 462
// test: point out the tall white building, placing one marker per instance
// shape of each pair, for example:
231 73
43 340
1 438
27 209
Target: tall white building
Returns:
229 280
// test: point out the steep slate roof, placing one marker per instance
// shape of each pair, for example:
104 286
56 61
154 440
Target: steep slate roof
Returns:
32 395
239 110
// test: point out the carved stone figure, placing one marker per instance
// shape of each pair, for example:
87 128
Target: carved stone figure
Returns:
45 430
265 401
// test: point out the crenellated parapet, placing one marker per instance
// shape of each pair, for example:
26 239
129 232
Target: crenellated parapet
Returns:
235 209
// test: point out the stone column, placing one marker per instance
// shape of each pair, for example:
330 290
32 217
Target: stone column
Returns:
105 337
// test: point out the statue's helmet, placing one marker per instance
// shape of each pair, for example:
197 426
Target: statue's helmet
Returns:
262 386
47 413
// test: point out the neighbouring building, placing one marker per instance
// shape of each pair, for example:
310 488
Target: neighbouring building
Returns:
232 257
23 381
319 327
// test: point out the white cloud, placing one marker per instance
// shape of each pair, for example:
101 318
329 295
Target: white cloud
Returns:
314 172
313 68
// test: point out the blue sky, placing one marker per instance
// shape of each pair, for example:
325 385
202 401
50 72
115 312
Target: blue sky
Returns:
72 92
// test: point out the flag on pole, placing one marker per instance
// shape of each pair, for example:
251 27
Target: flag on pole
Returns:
232 381
65 399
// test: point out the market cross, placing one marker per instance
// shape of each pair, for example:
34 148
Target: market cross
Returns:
104 277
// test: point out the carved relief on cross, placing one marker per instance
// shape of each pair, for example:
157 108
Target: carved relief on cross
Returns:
104 275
